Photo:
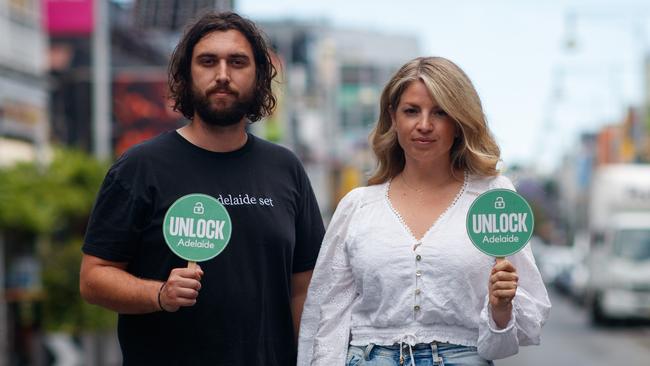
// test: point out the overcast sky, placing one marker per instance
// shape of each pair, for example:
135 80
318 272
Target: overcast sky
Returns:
538 95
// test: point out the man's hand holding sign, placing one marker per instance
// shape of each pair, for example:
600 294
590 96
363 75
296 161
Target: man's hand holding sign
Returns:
181 288
197 227
500 223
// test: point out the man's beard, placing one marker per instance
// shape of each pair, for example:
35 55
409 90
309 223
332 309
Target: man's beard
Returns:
224 116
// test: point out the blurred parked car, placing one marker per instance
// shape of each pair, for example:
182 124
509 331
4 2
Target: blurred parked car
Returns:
552 260
572 280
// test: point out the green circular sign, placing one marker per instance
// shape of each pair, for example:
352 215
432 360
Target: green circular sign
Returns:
197 227
500 222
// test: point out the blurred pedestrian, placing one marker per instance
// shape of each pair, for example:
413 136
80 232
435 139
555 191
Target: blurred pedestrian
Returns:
243 306
398 280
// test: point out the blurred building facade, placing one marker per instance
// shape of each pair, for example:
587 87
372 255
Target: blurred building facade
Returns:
24 136
23 82
625 141
142 36
330 83
172 15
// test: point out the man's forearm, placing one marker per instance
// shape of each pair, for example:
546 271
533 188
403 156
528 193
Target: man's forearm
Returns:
118 290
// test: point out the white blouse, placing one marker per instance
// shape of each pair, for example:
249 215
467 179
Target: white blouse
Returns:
371 286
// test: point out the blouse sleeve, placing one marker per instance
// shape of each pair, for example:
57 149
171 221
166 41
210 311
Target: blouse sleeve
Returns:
530 310
325 323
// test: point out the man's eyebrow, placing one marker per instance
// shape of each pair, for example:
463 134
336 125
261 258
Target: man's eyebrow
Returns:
231 55
238 55
206 54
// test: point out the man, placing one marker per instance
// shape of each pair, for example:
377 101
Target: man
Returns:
243 306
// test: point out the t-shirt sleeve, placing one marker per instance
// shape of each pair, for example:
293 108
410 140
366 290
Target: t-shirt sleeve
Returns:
115 222
309 227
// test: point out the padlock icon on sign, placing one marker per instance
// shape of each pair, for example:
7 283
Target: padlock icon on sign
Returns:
499 203
198 208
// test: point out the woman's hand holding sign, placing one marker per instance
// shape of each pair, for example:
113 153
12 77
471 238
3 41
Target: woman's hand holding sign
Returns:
500 223
181 288
502 289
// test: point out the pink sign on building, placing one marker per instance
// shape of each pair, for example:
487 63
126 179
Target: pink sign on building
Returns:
68 17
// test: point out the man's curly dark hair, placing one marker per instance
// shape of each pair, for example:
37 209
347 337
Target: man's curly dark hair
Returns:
180 77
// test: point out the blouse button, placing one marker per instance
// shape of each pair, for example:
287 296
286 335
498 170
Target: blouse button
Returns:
418 273
418 257
418 291
416 308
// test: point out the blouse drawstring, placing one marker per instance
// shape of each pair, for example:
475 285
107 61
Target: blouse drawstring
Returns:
401 356
407 340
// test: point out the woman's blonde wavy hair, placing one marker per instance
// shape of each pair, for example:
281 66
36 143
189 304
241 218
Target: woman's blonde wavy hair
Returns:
474 150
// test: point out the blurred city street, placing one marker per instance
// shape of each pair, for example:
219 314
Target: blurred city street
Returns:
569 340
565 86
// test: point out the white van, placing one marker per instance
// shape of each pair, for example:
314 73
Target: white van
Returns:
619 270
618 260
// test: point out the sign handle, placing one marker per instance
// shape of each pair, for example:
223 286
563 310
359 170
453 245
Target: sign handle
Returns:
499 259
191 264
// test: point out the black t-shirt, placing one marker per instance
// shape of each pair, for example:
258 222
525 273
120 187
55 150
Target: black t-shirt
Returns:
242 315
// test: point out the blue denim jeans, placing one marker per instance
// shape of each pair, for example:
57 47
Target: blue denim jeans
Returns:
433 354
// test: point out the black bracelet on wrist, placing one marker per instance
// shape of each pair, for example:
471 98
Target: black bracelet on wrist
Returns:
160 292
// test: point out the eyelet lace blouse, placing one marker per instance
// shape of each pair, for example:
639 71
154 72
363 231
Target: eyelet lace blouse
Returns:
374 282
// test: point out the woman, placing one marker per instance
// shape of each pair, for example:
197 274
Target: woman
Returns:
397 280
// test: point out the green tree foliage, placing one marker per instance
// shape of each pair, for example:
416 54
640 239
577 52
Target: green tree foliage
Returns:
44 200
63 308
52 203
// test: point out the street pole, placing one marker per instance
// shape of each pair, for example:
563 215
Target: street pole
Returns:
4 325
101 63
286 50
646 108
